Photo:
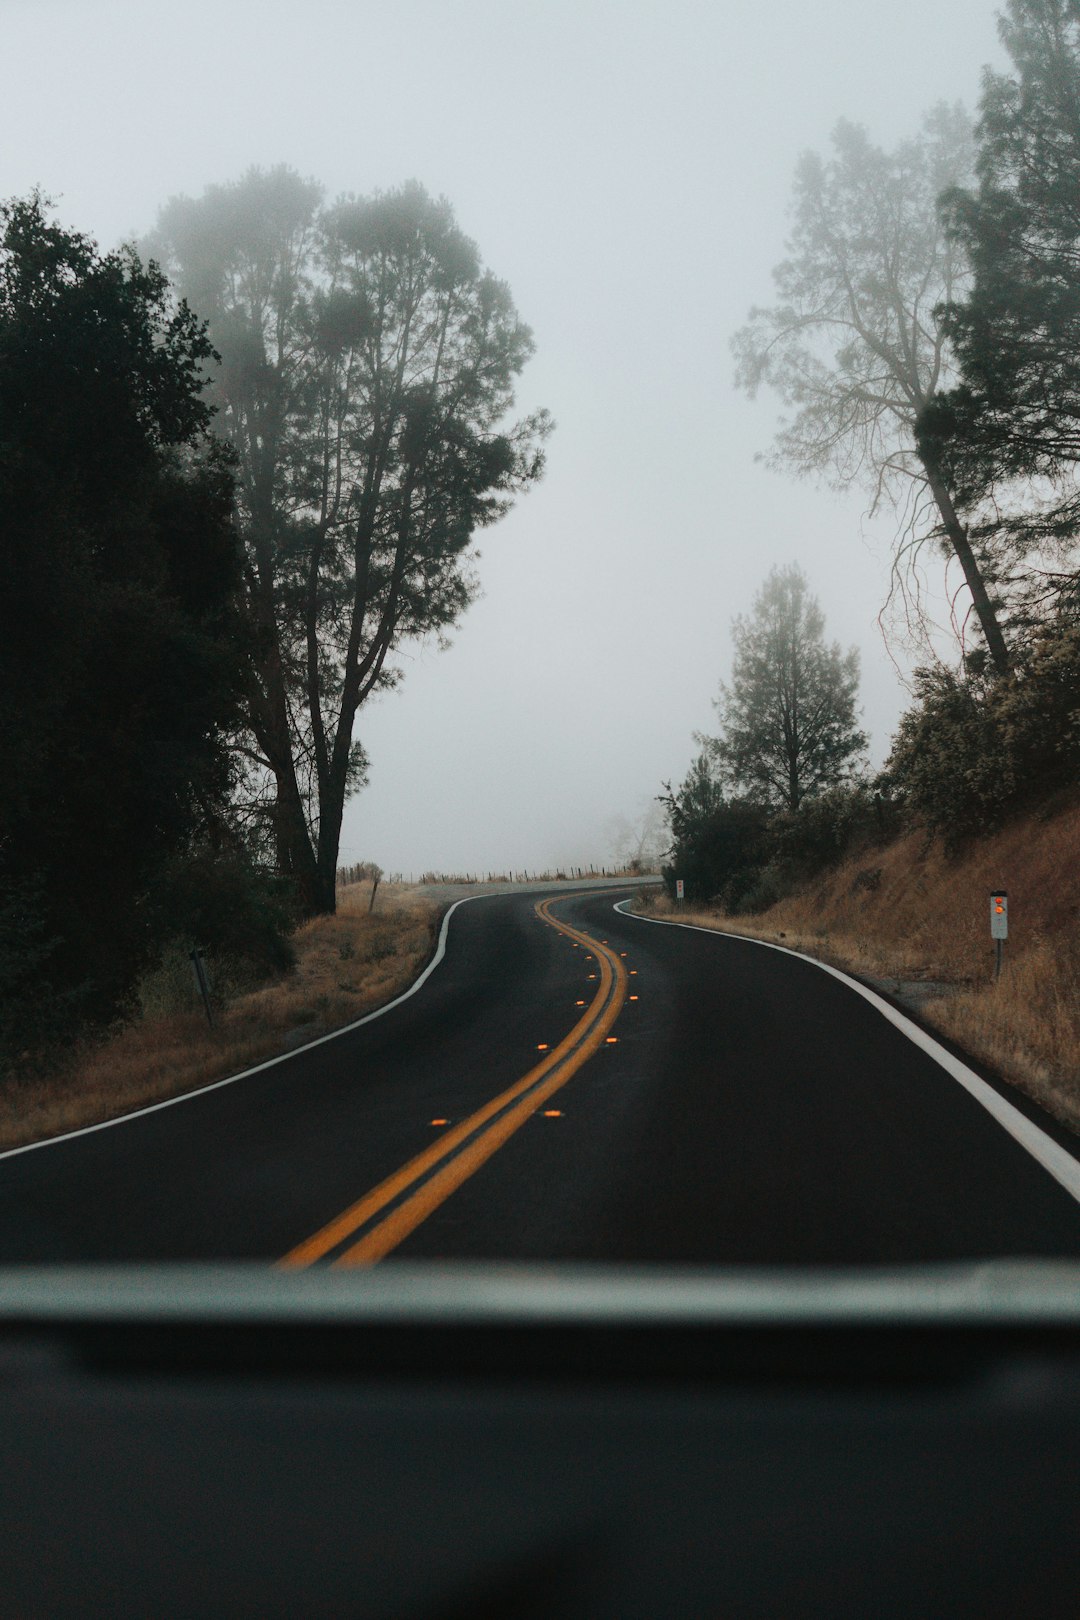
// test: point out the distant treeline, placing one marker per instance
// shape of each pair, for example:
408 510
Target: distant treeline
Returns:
364 872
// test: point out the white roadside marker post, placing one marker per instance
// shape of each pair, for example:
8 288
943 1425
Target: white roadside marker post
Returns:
999 925
680 891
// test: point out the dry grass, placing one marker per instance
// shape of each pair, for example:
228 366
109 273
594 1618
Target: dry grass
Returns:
346 966
907 913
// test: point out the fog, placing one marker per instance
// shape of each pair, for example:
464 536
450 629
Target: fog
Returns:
626 169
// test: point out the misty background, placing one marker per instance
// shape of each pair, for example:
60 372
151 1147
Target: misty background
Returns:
626 168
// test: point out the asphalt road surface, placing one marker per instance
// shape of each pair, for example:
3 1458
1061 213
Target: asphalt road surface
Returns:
569 1083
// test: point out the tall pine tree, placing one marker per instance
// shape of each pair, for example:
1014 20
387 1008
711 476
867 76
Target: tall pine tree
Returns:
788 726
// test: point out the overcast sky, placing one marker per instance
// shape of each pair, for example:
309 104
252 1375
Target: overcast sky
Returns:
626 168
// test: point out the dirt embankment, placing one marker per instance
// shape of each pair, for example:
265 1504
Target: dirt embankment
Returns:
918 923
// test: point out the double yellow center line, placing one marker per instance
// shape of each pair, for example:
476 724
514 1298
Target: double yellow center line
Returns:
384 1217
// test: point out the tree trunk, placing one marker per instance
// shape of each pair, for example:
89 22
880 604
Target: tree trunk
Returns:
296 859
333 777
327 866
980 597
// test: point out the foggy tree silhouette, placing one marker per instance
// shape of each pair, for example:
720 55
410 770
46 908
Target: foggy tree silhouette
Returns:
788 727
854 344
368 362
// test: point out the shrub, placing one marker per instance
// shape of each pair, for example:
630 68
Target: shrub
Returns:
238 914
35 1013
825 829
1037 711
974 750
721 853
949 759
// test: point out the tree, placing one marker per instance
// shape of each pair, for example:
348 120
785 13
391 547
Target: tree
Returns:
638 844
718 847
975 749
788 717
696 799
855 346
119 661
1009 431
368 362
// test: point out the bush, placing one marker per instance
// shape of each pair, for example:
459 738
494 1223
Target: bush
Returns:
169 986
34 1013
747 893
237 914
720 854
738 853
1037 712
824 830
949 761
975 750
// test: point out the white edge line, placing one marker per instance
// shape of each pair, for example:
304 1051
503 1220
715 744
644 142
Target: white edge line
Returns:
282 1057
269 1063
1050 1154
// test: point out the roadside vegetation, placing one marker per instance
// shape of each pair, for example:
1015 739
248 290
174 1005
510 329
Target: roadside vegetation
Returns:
195 607
915 919
344 966
925 339
336 968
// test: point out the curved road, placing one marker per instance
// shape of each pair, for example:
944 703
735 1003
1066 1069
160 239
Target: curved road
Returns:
569 1083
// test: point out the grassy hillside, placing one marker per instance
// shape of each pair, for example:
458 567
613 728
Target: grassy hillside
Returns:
907 913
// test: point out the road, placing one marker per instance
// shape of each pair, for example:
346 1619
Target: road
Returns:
568 1083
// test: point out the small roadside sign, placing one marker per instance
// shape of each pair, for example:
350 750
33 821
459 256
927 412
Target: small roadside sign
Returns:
999 914
999 925
680 893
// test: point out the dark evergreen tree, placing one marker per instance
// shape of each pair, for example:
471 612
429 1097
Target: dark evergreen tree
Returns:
718 847
1009 433
119 661
788 728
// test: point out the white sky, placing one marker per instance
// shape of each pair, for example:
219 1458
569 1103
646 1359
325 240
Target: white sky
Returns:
626 168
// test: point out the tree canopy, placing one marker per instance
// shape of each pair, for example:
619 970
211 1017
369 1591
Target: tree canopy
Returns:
788 728
1008 432
855 346
368 363
119 664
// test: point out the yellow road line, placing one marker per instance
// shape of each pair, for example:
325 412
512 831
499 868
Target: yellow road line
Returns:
558 1066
